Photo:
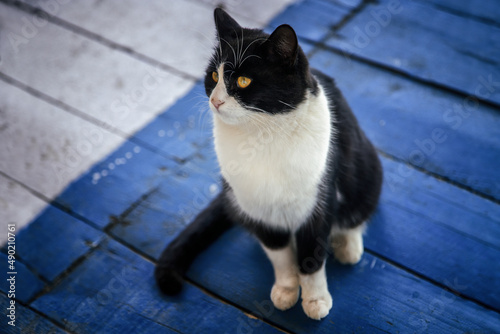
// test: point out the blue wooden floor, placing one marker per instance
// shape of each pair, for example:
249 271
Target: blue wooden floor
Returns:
423 78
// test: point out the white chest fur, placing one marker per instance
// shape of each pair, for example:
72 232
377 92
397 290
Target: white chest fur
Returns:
274 163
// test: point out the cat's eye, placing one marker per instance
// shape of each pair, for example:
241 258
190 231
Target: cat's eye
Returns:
215 76
243 82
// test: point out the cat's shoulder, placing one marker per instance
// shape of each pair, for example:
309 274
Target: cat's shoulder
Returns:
327 83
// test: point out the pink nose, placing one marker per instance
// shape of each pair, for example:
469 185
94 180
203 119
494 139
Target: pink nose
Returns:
217 103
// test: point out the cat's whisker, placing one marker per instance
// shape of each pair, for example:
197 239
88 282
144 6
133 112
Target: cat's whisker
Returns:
246 49
250 44
287 104
232 49
241 48
229 63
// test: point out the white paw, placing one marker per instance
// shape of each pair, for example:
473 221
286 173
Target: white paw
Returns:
348 249
284 297
318 308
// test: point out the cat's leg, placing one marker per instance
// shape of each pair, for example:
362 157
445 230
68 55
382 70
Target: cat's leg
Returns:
279 249
312 249
285 291
347 244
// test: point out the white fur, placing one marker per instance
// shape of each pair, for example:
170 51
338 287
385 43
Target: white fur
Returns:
316 300
285 291
348 244
274 163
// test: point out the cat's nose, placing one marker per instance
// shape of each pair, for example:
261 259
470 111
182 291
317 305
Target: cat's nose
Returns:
216 102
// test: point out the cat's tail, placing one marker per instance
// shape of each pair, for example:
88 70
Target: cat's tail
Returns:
196 237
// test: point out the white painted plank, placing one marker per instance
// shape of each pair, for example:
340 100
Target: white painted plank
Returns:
180 34
18 206
105 84
258 12
45 147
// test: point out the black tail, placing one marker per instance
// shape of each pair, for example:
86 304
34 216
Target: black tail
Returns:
196 237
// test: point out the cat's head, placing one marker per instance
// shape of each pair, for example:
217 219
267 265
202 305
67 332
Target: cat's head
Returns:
253 72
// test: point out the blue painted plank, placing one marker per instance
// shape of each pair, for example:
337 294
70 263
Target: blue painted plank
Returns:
115 183
371 297
114 291
428 128
441 202
311 19
419 211
425 230
182 128
53 241
27 285
484 10
348 3
26 321
425 246
427 43
165 212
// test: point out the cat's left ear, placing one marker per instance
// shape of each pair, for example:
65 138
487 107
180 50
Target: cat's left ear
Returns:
225 24
282 45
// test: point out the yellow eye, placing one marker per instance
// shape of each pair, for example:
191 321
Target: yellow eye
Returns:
243 82
215 76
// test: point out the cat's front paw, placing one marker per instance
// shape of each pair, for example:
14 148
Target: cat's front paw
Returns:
318 308
284 297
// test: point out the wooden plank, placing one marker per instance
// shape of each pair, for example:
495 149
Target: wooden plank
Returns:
486 10
54 241
425 232
258 12
113 185
106 85
27 285
417 211
164 213
182 128
123 298
442 203
161 26
371 297
311 19
12 197
434 45
418 124
27 321
44 147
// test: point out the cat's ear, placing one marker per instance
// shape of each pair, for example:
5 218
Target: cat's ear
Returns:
282 45
225 24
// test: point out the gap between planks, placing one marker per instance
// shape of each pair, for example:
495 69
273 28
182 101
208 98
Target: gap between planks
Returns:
318 46
430 280
463 14
63 106
440 177
321 45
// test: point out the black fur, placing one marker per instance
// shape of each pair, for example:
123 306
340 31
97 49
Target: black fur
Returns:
276 64
280 72
196 237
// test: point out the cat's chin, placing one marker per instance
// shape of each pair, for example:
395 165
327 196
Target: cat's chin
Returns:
230 117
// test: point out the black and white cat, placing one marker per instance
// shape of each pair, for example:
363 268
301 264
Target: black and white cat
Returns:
311 181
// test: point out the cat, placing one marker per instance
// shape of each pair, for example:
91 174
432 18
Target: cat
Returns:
312 181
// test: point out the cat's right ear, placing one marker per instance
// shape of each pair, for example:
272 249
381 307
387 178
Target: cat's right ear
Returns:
225 24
